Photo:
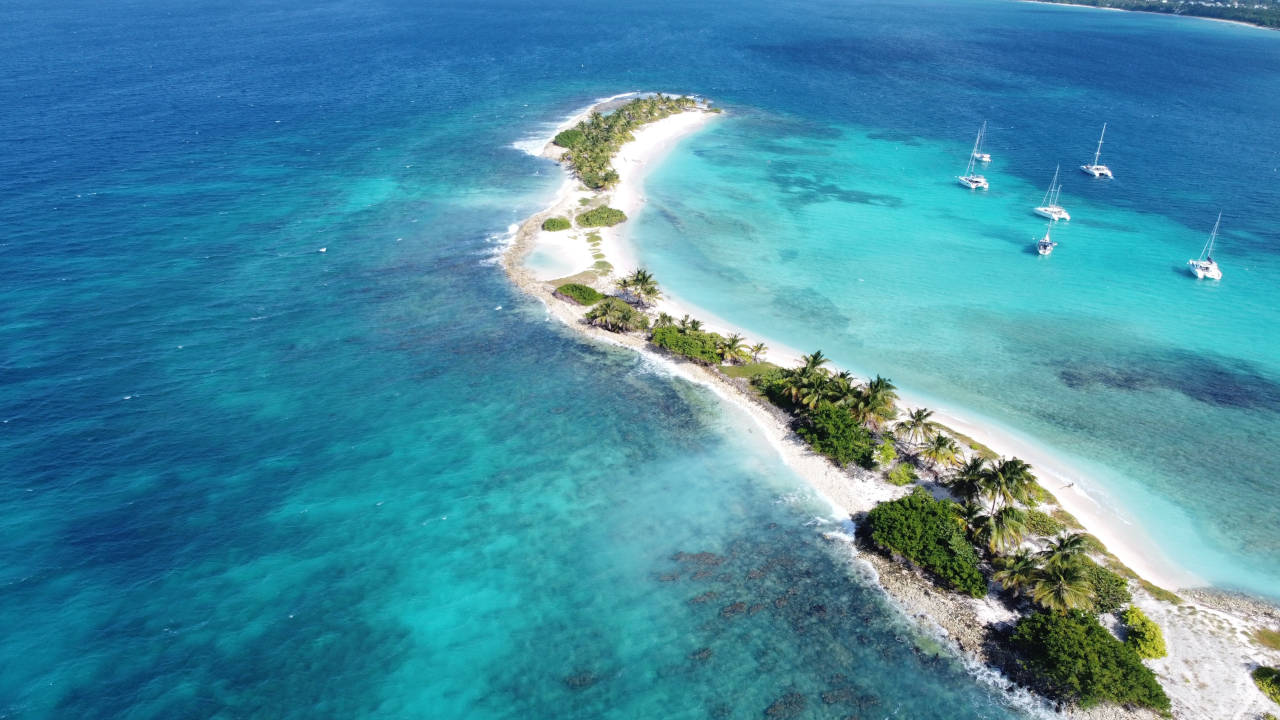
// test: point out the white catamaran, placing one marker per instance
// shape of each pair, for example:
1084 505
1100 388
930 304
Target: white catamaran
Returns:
1046 244
971 179
1205 267
1094 168
1049 206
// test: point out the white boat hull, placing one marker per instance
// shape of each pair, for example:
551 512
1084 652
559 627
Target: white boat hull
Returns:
973 182
1053 212
1204 270
1097 170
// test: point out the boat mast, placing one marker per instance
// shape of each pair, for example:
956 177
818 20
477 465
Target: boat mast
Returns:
973 156
1208 249
1098 152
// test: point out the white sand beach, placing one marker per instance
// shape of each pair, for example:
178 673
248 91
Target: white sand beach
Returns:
1208 636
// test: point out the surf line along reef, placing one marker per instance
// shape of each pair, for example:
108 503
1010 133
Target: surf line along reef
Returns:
963 539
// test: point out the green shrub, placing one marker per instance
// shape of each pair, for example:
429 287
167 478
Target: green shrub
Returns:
1041 524
773 386
603 216
1075 659
902 474
886 453
580 294
556 224
832 431
570 138
924 531
1144 635
695 345
1268 681
1110 591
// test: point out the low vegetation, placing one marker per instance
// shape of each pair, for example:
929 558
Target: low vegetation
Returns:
1267 638
902 474
924 531
592 143
831 431
1268 681
1142 634
580 294
1072 657
1039 523
556 224
1110 591
603 216
749 371
692 344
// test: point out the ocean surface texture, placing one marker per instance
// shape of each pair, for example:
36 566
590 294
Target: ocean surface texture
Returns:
278 440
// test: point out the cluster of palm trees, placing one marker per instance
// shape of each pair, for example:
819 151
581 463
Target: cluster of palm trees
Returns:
617 316
812 383
989 513
1055 578
641 285
593 142
918 429
989 494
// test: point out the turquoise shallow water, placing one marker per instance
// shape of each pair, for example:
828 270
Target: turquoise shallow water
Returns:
822 228
242 478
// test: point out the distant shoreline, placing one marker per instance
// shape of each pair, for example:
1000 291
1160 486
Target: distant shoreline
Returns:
1199 644
1242 23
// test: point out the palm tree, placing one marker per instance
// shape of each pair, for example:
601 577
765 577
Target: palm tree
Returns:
642 285
756 351
664 320
1005 528
882 395
689 324
1062 587
967 482
941 450
970 517
1008 481
1065 550
813 363
731 349
1017 572
859 406
917 427
616 316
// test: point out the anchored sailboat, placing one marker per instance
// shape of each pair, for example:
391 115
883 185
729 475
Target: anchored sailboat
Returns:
1094 168
1046 244
970 178
1205 267
1049 206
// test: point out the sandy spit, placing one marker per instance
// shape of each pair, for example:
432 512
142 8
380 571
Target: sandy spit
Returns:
1209 636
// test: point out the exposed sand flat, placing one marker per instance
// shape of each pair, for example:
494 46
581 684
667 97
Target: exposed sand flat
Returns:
1209 637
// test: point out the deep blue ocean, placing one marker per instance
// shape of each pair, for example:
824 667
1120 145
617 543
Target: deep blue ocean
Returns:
243 478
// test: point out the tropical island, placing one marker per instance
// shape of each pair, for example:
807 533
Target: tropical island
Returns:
1262 13
964 539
